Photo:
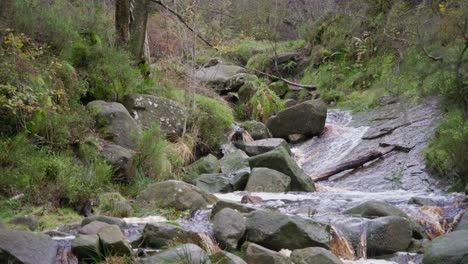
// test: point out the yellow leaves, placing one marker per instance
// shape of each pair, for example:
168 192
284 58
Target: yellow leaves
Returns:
442 7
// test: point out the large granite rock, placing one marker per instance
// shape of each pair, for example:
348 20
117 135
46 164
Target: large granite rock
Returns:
26 248
267 180
114 242
149 109
261 146
229 228
115 123
175 194
256 254
387 235
314 255
277 231
280 160
186 253
307 118
121 160
451 248
234 161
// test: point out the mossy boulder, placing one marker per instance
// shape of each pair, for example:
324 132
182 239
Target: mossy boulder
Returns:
113 241
256 129
451 248
218 76
246 92
175 194
86 248
229 228
257 147
161 235
387 235
307 118
214 183
121 160
186 253
207 164
234 161
280 160
115 123
267 180
114 204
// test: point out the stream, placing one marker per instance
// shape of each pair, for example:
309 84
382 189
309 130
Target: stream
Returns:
394 179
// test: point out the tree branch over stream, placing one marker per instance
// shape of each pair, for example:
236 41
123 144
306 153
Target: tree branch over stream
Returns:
182 20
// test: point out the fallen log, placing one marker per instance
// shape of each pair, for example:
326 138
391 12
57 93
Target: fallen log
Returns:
356 163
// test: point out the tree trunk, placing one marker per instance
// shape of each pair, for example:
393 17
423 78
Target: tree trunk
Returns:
138 23
122 22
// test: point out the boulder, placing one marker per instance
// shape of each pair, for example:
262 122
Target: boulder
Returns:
26 248
237 81
280 160
224 257
229 228
239 179
28 221
221 204
307 118
121 160
387 235
86 248
160 235
256 129
267 180
218 76
149 109
186 253
314 255
278 231
92 228
175 194
102 218
374 208
115 123
256 254
422 201
257 147
463 222
451 248
251 199
114 242
205 165
214 183
234 161
246 92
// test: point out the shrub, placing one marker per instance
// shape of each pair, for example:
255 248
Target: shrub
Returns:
446 153
265 103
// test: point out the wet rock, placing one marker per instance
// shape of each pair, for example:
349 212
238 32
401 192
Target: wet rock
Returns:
121 160
388 235
234 161
28 221
229 228
113 241
374 208
422 201
186 253
267 180
256 254
214 183
221 204
261 146
314 255
256 129
307 118
277 231
106 219
206 165
160 235
224 257
280 160
26 247
175 194
92 228
290 102
115 123
218 76
86 248
451 248
149 109
463 222
280 88
114 204
251 199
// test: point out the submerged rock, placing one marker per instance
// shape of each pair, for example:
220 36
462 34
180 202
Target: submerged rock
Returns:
278 231
229 228
307 118
451 248
149 109
280 160
115 123
175 194
256 254
26 247
267 180
186 253
314 255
